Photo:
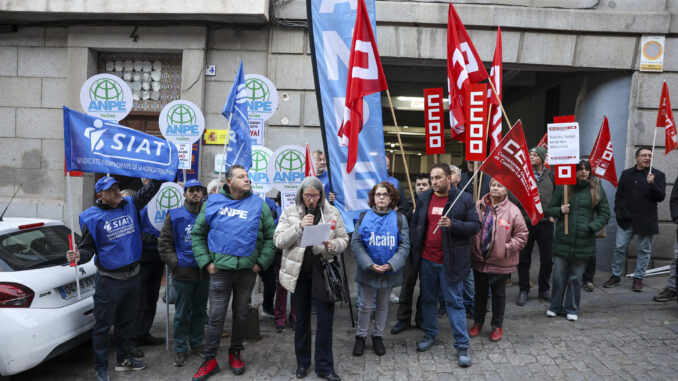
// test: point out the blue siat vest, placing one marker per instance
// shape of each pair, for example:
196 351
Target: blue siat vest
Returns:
147 227
182 225
380 236
234 224
115 232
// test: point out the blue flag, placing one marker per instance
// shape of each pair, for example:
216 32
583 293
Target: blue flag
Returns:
97 145
239 145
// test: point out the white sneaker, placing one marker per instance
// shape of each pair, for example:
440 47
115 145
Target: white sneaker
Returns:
550 313
394 298
572 317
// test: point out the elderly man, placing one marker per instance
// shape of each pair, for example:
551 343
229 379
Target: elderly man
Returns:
233 239
110 230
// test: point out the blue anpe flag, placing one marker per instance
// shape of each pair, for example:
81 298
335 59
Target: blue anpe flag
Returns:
239 145
96 145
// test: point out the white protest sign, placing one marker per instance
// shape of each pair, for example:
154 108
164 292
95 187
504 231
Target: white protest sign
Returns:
286 168
257 132
287 199
185 151
169 196
262 97
107 97
563 143
181 122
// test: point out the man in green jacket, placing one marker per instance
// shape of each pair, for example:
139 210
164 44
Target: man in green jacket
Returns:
233 239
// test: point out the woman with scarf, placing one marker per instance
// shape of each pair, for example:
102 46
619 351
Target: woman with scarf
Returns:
380 245
495 253
588 212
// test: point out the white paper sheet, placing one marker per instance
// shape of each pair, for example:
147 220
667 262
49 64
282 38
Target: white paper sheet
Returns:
315 234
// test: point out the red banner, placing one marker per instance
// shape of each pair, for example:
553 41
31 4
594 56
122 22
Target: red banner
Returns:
602 156
476 122
433 111
510 165
565 174
665 119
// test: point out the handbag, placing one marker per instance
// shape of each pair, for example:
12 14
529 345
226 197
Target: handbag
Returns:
332 278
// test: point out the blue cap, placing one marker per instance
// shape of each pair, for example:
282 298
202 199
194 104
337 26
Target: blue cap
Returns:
104 183
192 183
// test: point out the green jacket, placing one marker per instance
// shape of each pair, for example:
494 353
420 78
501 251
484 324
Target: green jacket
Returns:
262 254
584 221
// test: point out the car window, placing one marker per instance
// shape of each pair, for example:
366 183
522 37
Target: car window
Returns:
34 248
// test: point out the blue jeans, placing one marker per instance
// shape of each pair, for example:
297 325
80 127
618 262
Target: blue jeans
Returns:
566 285
432 281
624 236
468 292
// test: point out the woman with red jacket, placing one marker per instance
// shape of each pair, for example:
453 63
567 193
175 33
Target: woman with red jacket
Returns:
494 255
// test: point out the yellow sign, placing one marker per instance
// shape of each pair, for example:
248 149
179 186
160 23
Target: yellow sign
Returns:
214 137
652 53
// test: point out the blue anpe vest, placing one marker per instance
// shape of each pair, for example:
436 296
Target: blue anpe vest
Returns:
234 224
182 225
147 227
380 235
115 233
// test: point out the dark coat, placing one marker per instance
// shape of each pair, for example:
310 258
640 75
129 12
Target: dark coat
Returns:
583 223
168 253
456 238
635 202
673 202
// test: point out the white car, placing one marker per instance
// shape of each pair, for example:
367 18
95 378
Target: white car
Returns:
40 313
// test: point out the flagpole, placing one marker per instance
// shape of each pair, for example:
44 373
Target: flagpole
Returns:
496 95
72 238
653 141
223 153
475 182
402 152
457 198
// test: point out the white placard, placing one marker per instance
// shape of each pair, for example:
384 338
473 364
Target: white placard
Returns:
563 143
315 234
288 199
262 97
286 168
181 121
185 152
257 132
169 196
107 97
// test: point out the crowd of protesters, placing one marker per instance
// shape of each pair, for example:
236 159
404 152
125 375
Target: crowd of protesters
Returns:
461 251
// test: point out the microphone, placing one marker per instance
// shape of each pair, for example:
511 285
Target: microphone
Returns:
310 210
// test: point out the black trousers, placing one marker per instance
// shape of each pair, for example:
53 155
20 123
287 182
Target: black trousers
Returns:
301 299
268 280
590 270
410 276
542 233
150 274
484 282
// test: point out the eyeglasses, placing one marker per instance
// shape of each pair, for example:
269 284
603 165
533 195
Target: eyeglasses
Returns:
381 195
311 196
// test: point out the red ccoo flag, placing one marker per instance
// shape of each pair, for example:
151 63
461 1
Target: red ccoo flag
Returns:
365 77
309 167
602 156
665 119
495 108
463 68
510 164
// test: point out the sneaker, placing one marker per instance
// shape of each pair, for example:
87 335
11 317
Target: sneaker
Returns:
665 295
613 281
378 345
442 311
589 286
572 317
102 375
545 295
180 358
129 364
497 334
550 313
522 298
207 369
475 330
400 326
280 328
393 298
267 313
426 344
136 352
359 346
237 365
637 285
464 358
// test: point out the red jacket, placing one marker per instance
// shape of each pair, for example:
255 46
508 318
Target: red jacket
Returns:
509 236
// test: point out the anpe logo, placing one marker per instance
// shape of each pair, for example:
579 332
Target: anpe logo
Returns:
286 168
168 198
259 161
289 160
106 96
105 89
181 122
261 96
181 119
226 211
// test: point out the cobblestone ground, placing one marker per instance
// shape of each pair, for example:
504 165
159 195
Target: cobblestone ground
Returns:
620 334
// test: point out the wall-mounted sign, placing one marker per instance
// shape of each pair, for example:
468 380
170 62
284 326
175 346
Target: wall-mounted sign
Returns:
652 53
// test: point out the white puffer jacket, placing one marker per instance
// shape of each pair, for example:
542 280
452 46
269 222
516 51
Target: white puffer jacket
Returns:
288 237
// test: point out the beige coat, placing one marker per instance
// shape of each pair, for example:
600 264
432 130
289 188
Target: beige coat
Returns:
287 237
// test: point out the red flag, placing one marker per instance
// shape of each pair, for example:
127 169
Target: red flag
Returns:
510 165
463 68
365 77
665 119
309 167
476 117
434 120
544 142
602 156
495 109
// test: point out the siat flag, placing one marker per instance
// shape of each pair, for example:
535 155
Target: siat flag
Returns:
235 110
97 145
602 156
